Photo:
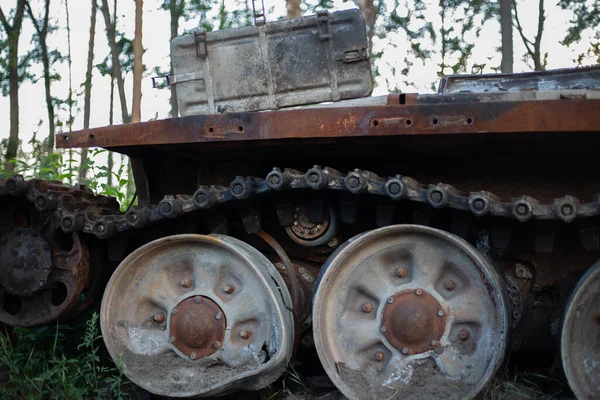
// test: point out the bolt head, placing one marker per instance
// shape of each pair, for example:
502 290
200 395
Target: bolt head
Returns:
301 270
193 356
450 285
244 334
405 350
479 204
419 292
367 308
238 188
394 188
379 356
464 334
401 272
353 182
159 318
172 339
440 313
433 343
174 312
383 329
219 315
216 345
390 300
229 289
186 282
274 179
198 299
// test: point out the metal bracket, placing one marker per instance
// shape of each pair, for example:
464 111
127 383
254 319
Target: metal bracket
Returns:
359 54
260 17
156 85
323 25
200 37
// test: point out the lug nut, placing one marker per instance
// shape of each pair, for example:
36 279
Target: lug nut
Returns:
193 356
440 313
174 312
219 315
198 299
228 289
450 285
367 308
186 282
433 343
379 356
216 345
390 300
244 334
419 292
464 334
405 350
383 329
159 318
401 272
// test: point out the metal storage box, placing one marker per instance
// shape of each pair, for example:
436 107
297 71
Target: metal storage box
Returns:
307 60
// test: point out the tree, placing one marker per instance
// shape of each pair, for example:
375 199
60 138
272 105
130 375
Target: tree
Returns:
586 17
87 99
111 34
293 8
533 47
13 31
506 28
42 29
138 66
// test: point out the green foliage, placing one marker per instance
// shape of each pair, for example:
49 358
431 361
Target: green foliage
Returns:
24 64
43 363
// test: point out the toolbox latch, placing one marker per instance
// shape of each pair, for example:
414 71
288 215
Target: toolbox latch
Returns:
323 24
359 54
200 37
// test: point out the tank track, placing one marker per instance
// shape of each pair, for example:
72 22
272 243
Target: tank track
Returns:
79 210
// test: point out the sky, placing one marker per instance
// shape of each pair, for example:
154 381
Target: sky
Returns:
156 36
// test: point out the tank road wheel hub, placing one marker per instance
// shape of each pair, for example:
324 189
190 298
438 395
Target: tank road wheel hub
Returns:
580 339
410 312
194 315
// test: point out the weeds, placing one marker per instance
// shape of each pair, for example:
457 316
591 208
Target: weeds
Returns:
44 363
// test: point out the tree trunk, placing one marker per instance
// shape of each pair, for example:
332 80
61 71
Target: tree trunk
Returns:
87 97
369 12
138 66
116 64
293 8
111 114
13 32
174 9
507 36
534 48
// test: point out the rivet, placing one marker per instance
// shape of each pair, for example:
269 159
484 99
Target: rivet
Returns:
419 292
367 308
401 272
301 270
440 313
174 312
450 285
228 289
216 345
186 282
198 299
383 329
390 300
433 343
379 356
244 334
219 315
464 334
172 339
405 350
159 318
193 356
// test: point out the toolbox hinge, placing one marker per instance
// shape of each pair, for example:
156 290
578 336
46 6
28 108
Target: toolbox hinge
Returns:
200 37
359 54
323 24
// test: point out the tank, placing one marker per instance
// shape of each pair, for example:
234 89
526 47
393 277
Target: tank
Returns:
404 245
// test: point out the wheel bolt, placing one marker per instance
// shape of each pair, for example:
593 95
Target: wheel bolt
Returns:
440 313
193 356
379 356
186 282
464 334
450 285
228 289
216 345
174 312
367 308
433 343
244 334
401 272
383 329
419 292
405 350
390 300
159 318
198 299
219 315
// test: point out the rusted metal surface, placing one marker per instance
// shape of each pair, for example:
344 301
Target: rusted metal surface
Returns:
197 327
413 321
580 348
194 315
381 334
526 117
